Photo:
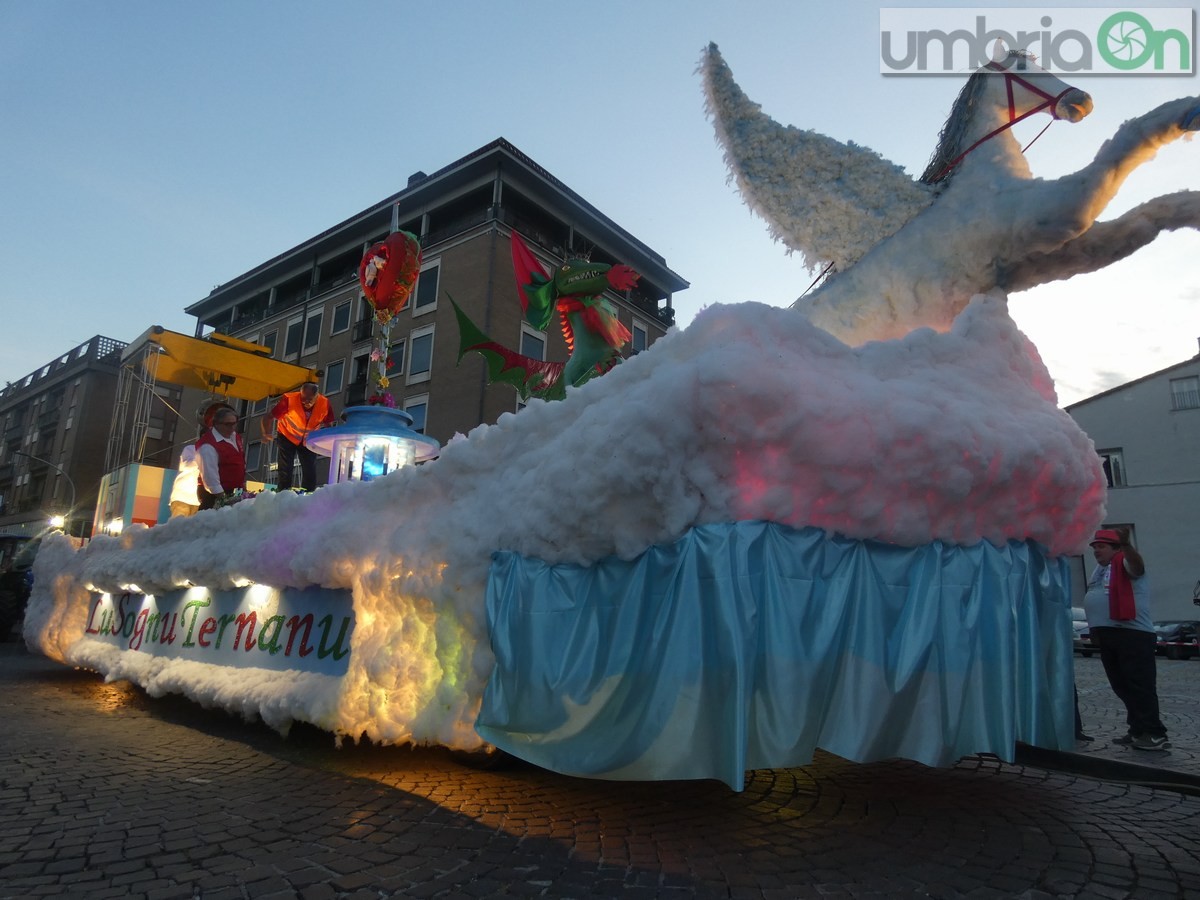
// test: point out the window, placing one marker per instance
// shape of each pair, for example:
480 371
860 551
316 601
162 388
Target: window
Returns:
418 408
291 343
427 288
1114 467
533 343
639 336
341 318
1185 392
420 354
312 333
254 456
395 367
365 324
271 340
359 368
334 374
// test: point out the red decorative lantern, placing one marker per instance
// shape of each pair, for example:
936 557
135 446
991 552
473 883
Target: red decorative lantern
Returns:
388 273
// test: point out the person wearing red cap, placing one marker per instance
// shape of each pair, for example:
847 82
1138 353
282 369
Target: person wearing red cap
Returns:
1117 605
295 417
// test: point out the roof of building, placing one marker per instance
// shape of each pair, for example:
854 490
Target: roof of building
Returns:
98 350
458 174
1129 384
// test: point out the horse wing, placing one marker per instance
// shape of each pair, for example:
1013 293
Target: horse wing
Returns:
829 201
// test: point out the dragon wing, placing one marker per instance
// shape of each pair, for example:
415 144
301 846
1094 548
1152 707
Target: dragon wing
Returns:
531 377
534 284
829 201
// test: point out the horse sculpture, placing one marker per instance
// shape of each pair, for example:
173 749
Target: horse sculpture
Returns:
909 253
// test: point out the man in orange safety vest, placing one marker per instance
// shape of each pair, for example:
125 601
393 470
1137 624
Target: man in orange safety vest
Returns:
294 417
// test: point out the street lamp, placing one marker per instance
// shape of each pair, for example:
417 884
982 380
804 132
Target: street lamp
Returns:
61 471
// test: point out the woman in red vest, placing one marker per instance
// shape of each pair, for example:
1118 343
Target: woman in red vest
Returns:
222 458
296 416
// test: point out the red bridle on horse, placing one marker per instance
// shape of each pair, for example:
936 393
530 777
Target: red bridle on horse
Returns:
1011 78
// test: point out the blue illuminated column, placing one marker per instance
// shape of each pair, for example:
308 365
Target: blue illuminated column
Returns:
372 441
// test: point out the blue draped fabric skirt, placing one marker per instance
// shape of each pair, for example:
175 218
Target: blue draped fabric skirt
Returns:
748 645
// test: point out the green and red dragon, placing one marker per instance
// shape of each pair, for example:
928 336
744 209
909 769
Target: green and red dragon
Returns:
588 319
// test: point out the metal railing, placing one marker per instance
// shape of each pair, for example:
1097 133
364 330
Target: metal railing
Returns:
99 348
363 329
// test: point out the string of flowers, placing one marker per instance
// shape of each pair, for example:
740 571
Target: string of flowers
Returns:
388 273
381 360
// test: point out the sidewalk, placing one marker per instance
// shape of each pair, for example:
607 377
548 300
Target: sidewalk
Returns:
1104 719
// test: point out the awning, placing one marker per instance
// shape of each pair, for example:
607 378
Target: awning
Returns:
219 364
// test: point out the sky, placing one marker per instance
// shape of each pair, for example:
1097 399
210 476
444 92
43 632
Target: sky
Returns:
149 151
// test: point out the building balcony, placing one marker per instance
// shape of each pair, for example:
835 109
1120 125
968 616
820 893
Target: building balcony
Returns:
332 284
36 464
244 320
447 230
29 504
531 231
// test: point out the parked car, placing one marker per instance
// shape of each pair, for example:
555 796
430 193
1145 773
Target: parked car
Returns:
1178 640
1083 636
16 582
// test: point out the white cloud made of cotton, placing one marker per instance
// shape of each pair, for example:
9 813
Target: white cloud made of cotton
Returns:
749 413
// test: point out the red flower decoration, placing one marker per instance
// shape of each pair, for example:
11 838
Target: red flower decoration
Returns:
388 273
382 399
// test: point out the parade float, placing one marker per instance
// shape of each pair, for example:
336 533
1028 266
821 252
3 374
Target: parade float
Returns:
224 368
841 526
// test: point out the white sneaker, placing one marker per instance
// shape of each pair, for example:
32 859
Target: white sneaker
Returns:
1148 742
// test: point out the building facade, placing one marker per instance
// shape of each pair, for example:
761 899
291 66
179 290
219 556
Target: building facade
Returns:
1147 433
56 426
305 304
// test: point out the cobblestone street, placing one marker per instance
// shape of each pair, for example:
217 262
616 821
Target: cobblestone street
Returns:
108 793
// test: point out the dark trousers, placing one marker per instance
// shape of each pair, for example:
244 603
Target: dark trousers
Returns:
1128 658
288 453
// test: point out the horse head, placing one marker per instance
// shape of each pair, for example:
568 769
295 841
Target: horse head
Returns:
994 99
901 256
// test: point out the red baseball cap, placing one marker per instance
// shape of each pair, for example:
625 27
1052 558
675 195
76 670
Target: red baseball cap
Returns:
1106 536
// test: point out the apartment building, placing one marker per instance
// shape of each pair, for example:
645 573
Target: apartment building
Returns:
1147 433
305 303
55 425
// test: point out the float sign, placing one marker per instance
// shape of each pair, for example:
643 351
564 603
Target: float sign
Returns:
308 629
